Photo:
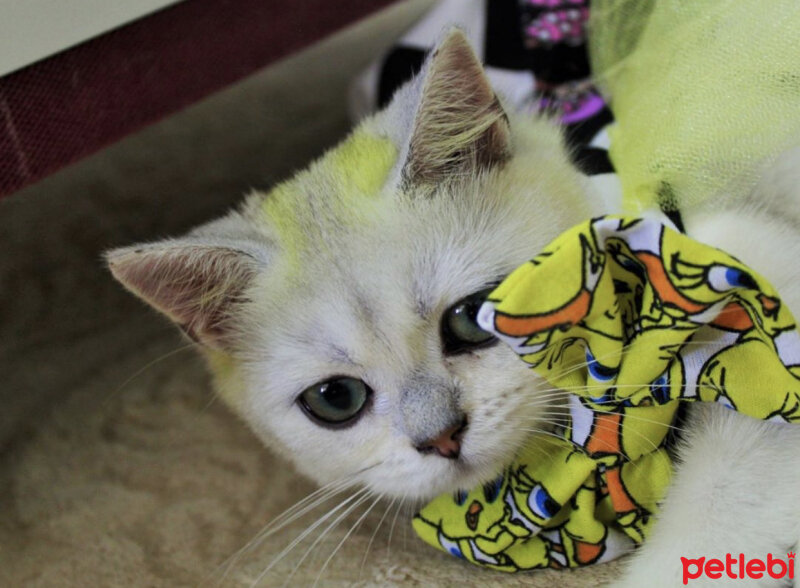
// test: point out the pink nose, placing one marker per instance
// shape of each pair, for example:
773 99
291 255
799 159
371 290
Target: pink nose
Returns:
447 443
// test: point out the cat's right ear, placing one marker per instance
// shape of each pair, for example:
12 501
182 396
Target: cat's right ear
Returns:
196 285
459 124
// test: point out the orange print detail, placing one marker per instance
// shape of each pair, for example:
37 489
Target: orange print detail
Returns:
733 317
620 498
605 434
663 286
586 553
569 315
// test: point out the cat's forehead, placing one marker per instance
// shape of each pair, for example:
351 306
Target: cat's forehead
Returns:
365 259
351 218
414 252
388 274
377 289
334 193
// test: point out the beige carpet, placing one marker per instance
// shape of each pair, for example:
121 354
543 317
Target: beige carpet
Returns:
117 467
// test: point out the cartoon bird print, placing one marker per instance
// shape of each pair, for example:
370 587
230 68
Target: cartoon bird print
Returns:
574 533
702 294
565 315
474 526
697 287
725 378
529 323
624 442
638 318
535 503
516 522
636 249
745 325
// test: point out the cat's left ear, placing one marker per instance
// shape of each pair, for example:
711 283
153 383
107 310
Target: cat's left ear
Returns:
459 123
197 285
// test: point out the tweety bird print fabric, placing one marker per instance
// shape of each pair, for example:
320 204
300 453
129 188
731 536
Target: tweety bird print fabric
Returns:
635 319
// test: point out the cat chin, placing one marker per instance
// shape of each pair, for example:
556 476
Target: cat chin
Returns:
433 476
487 450
425 483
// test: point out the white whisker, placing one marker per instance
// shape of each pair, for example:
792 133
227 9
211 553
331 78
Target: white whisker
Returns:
143 369
305 534
299 509
394 522
363 495
374 534
349 532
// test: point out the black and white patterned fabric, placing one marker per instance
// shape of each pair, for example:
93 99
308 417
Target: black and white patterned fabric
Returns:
535 55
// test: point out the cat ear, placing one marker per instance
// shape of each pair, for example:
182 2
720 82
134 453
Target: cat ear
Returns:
196 285
459 123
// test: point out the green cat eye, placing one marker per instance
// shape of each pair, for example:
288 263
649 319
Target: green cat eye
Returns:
336 402
460 330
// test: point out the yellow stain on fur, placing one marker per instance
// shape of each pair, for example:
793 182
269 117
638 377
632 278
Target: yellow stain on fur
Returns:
227 378
362 162
340 185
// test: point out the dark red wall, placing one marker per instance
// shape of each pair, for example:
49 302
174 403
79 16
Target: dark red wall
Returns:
69 105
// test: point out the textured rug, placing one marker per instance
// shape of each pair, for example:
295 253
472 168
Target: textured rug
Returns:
117 466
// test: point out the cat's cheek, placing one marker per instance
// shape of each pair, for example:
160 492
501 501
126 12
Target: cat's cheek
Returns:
502 397
320 453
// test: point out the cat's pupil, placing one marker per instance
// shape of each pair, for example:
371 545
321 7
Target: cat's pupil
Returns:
467 312
460 329
337 395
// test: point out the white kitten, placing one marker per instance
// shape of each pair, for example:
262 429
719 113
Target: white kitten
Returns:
332 313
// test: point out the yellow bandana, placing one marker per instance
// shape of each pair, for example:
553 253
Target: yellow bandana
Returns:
631 317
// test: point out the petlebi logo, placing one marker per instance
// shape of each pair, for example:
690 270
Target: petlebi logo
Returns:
738 568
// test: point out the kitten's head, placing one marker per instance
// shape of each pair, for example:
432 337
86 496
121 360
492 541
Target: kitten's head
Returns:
337 310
